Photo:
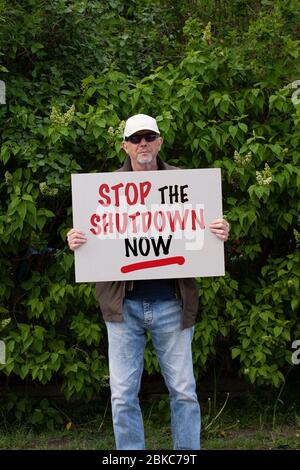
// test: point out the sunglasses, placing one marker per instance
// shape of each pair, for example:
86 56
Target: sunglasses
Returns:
136 139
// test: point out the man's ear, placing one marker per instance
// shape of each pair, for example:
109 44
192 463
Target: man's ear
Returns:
124 146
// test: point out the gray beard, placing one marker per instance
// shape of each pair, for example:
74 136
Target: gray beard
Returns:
145 161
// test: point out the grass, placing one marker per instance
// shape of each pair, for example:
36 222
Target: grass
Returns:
252 439
247 422
157 437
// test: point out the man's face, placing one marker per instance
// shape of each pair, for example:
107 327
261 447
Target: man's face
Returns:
143 154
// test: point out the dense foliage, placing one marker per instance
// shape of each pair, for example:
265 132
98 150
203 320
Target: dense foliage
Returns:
219 78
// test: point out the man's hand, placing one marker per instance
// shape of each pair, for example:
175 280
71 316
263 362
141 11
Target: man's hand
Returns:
75 238
220 227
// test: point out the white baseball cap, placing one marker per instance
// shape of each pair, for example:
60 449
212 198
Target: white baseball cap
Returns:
140 122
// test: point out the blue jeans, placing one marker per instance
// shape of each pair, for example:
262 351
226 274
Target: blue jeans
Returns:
127 341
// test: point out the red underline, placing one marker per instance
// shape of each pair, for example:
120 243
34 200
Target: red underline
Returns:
155 263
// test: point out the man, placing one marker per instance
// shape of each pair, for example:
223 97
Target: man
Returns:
166 307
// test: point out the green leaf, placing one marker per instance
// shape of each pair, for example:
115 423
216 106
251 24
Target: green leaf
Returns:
277 331
235 352
243 126
233 131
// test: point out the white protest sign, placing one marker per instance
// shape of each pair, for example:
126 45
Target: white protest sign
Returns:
147 224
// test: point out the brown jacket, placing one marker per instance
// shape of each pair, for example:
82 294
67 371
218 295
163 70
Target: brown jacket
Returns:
111 294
